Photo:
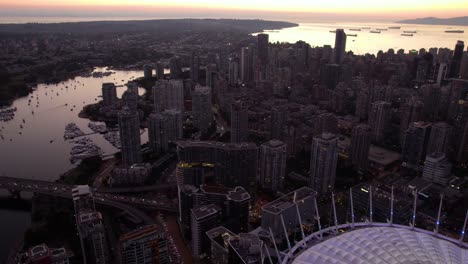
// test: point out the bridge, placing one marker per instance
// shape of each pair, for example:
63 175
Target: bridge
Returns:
106 197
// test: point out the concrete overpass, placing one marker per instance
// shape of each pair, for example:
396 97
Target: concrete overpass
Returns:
123 202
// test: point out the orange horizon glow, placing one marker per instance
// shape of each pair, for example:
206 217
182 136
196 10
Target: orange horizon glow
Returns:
396 8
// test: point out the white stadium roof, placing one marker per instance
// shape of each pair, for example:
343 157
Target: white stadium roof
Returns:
389 245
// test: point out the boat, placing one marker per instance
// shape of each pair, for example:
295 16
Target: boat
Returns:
351 35
355 29
409 31
407 35
454 31
331 31
373 31
365 27
381 29
394 27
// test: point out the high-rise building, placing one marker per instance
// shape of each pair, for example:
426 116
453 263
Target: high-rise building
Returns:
239 122
437 168
246 65
323 161
272 165
440 138
164 128
325 122
360 145
203 219
160 70
233 74
232 202
92 237
168 95
130 96
245 248
456 59
148 71
278 123
82 199
220 237
201 108
109 94
175 67
379 118
210 76
440 72
262 47
330 75
462 153
464 66
415 145
195 67
145 245
234 164
362 104
411 111
129 130
290 209
340 46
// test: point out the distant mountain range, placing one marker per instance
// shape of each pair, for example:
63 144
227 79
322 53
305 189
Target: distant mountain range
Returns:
454 21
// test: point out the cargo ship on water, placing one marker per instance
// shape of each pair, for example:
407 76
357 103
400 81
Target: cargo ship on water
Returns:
455 31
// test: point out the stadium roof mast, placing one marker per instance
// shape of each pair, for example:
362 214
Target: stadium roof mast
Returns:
413 221
352 206
462 236
391 207
436 231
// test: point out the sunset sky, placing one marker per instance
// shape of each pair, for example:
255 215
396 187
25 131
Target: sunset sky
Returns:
382 9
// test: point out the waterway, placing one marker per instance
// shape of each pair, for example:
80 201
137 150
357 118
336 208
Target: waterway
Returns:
41 119
425 36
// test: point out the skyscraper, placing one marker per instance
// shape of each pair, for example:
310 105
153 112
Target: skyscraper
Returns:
160 70
325 122
411 111
440 138
246 65
437 168
273 165
233 74
234 164
360 144
239 122
195 67
175 67
201 108
109 94
168 94
93 237
145 245
148 71
340 46
164 128
415 145
278 123
379 118
456 59
323 161
203 219
262 47
129 130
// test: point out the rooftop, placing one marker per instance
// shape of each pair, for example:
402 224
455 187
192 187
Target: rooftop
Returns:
379 245
289 200
205 211
140 232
